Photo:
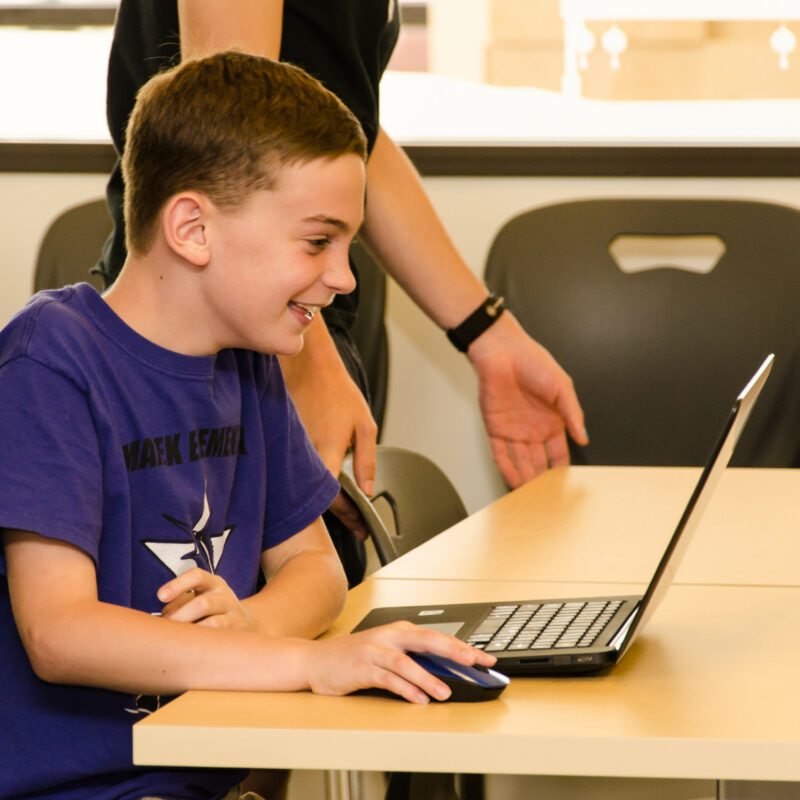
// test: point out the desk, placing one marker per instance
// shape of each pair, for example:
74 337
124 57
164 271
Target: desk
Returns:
681 704
612 523
707 691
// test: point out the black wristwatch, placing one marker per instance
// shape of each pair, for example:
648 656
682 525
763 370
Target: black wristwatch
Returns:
477 322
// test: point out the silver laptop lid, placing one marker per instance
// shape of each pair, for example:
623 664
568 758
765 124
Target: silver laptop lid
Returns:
709 478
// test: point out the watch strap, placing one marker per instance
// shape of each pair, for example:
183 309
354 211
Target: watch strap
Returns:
485 315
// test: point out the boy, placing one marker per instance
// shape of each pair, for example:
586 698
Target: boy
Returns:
152 460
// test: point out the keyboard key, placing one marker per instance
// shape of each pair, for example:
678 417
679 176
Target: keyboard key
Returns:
543 626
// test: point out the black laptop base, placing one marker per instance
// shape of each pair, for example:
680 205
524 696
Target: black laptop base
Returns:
471 623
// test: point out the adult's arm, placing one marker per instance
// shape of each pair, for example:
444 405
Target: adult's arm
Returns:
528 402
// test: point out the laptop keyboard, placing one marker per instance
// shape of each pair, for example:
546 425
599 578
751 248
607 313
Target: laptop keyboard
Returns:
543 626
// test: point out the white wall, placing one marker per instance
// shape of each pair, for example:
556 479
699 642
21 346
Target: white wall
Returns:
432 405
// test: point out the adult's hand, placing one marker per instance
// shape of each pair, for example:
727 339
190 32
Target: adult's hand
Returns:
527 401
335 414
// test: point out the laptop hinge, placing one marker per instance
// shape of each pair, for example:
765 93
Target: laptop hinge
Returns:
619 637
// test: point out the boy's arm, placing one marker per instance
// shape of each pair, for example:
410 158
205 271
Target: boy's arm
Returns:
306 585
71 637
305 591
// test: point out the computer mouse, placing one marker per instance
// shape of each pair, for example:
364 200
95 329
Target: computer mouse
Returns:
468 684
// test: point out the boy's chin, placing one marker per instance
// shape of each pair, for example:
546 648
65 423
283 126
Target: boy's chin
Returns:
289 351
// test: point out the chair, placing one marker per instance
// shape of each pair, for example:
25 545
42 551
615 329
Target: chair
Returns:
420 501
660 309
420 497
71 246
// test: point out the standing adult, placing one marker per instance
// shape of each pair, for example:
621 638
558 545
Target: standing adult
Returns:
527 401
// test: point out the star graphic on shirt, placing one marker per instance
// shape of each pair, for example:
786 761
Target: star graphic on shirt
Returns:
202 549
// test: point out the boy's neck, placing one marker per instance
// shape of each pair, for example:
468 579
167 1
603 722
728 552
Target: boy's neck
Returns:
159 300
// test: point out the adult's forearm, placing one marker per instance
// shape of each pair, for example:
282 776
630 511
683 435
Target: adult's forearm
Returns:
403 230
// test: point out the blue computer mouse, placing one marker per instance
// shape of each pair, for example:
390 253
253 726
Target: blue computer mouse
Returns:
469 684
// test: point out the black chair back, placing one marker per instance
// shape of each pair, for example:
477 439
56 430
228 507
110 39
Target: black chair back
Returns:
658 353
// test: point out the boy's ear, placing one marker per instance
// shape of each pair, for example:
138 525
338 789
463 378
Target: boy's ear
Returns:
184 224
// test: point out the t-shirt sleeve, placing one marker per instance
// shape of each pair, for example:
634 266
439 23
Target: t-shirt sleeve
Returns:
299 486
49 458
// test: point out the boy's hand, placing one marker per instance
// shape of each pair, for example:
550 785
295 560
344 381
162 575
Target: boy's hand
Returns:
198 596
377 659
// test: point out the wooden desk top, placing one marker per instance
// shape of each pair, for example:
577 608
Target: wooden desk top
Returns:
613 523
708 691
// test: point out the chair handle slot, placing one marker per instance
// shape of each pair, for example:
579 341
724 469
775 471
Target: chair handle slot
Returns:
634 253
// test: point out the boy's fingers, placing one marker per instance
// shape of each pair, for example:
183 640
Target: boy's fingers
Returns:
400 674
197 607
415 638
418 690
181 600
196 580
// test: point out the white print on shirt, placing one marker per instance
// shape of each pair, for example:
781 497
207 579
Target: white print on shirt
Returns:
203 548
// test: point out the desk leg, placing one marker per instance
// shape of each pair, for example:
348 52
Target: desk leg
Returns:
342 785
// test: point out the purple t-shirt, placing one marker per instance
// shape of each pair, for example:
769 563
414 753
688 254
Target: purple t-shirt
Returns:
151 462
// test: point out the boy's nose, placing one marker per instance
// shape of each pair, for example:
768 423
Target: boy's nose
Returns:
339 276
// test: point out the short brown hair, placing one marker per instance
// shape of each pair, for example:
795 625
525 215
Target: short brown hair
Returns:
224 126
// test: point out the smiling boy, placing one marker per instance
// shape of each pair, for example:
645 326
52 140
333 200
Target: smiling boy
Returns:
152 460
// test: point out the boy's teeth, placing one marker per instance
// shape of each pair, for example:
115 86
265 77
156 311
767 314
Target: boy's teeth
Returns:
309 311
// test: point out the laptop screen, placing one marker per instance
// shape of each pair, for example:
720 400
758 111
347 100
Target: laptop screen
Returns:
712 472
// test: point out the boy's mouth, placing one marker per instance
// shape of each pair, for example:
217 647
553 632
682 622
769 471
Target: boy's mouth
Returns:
309 311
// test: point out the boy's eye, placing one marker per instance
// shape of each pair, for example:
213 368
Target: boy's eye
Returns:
319 244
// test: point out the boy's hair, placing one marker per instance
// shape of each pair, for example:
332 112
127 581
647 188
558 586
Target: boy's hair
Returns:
224 126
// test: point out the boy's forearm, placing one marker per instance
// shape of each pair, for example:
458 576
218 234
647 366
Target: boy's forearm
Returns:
302 599
72 637
108 646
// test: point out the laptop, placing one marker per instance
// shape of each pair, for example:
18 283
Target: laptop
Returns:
580 634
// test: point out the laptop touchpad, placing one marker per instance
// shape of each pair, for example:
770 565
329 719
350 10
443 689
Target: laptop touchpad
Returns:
443 627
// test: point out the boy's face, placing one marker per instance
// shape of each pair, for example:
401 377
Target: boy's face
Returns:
283 255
